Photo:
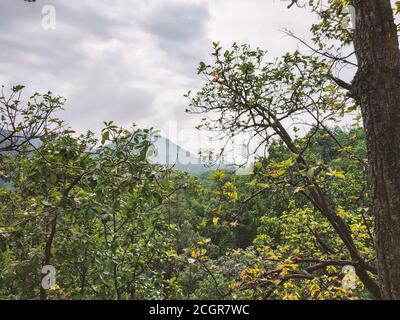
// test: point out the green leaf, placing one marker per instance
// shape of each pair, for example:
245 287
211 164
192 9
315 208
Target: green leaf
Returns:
105 137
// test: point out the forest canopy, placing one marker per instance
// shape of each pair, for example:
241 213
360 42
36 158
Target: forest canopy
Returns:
119 227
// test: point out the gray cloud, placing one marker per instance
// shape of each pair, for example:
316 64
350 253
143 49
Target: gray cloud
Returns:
130 61
177 22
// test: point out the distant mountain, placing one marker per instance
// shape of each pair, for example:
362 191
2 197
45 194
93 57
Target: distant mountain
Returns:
165 152
3 135
14 140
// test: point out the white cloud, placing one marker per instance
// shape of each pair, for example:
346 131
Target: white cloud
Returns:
132 61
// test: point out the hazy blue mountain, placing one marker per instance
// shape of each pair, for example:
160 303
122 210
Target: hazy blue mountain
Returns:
165 152
14 140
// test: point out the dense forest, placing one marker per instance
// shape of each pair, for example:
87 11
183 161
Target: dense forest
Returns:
310 221
118 227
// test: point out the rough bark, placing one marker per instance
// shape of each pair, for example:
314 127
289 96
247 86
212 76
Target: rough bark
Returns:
377 88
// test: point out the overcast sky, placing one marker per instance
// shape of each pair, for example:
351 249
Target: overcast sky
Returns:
132 60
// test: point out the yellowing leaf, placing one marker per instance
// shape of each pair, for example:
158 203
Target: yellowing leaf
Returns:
337 174
215 220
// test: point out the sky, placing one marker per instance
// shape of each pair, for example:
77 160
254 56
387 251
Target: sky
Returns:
131 61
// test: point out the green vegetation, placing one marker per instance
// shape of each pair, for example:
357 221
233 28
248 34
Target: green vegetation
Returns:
117 227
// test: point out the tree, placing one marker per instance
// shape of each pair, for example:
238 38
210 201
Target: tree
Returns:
24 124
257 97
96 210
376 90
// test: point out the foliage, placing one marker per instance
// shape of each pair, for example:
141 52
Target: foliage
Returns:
118 227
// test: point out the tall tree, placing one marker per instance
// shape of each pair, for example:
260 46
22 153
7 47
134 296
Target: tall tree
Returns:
257 98
376 87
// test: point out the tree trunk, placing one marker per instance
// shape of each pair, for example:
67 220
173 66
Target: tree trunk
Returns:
47 254
377 89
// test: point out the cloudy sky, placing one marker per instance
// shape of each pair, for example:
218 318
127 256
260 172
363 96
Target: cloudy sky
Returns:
132 60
